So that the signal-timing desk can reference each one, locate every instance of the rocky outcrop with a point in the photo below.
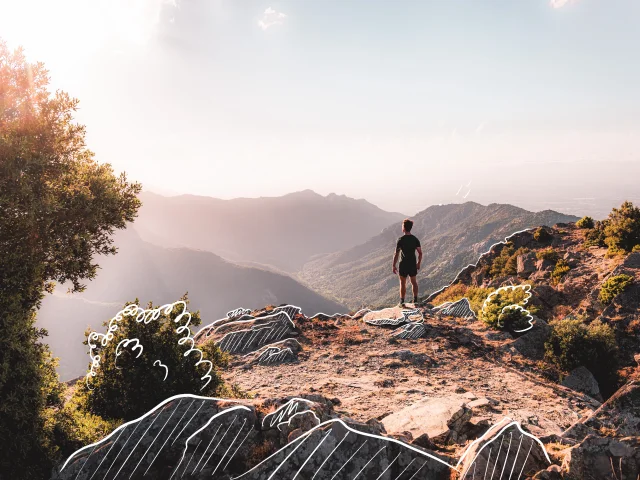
(526, 264)
(504, 451)
(441, 419)
(582, 380)
(531, 344)
(188, 435)
(603, 458)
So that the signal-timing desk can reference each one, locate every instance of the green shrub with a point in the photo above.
(585, 222)
(136, 384)
(542, 235)
(622, 229)
(559, 271)
(513, 319)
(506, 263)
(572, 344)
(595, 237)
(70, 427)
(492, 309)
(547, 254)
(613, 286)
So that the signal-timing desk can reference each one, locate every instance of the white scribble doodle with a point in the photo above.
(239, 341)
(413, 315)
(158, 363)
(146, 316)
(527, 291)
(124, 344)
(285, 412)
(411, 331)
(460, 309)
(238, 312)
(275, 356)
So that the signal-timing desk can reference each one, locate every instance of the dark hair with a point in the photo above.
(407, 225)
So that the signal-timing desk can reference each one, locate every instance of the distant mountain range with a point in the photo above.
(161, 274)
(452, 236)
(188, 243)
(284, 232)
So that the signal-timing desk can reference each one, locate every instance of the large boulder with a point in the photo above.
(443, 419)
(504, 451)
(582, 380)
(531, 344)
(603, 458)
(526, 264)
(619, 416)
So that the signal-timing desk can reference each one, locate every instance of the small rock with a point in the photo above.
(479, 403)
(554, 472)
(424, 442)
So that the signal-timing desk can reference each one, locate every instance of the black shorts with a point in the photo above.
(410, 270)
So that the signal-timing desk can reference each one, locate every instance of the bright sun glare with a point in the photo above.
(61, 32)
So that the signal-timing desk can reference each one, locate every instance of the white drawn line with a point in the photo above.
(207, 449)
(388, 467)
(231, 444)
(328, 456)
(311, 454)
(345, 463)
(103, 458)
(515, 460)
(507, 456)
(154, 440)
(138, 443)
(237, 448)
(527, 458)
(367, 464)
(405, 469)
(187, 424)
(158, 363)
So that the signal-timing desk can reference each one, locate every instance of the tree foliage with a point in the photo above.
(58, 209)
(128, 381)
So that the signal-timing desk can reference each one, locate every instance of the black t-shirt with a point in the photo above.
(407, 245)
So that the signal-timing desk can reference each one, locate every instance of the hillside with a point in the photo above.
(162, 275)
(284, 232)
(429, 392)
(452, 237)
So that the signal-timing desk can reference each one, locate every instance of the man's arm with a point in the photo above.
(419, 249)
(395, 261)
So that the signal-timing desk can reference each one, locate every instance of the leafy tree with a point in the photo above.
(129, 381)
(622, 230)
(58, 209)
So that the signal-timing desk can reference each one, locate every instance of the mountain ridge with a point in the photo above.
(452, 236)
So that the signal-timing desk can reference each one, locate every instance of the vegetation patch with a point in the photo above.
(614, 286)
(585, 222)
(492, 313)
(475, 295)
(506, 263)
(547, 254)
(559, 271)
(572, 343)
(542, 235)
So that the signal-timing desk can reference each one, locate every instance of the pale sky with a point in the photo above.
(404, 103)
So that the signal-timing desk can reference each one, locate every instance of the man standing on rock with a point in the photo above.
(406, 248)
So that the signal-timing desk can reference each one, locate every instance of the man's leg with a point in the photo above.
(414, 288)
(403, 288)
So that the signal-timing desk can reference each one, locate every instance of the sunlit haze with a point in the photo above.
(406, 104)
